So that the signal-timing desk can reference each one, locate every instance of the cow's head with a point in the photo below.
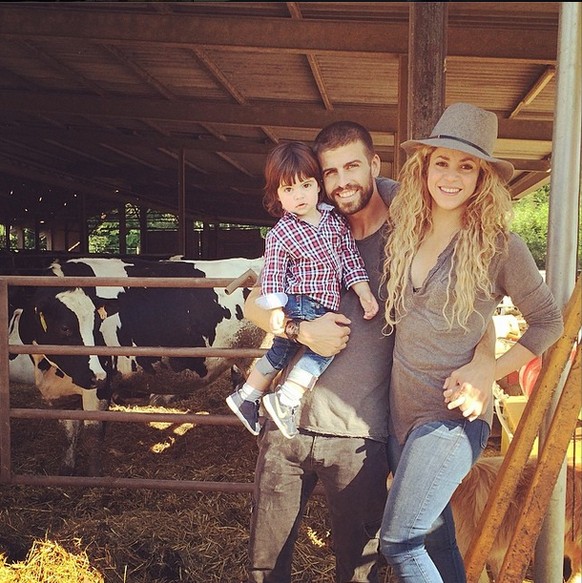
(65, 317)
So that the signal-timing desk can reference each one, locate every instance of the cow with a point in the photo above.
(471, 496)
(65, 316)
(180, 317)
(138, 316)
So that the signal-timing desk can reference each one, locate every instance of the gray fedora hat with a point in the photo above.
(469, 129)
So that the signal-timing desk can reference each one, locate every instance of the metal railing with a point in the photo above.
(7, 413)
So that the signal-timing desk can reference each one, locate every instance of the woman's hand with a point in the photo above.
(470, 387)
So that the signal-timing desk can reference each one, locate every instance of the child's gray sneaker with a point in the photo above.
(246, 411)
(282, 415)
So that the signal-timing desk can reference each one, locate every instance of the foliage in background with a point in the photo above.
(531, 223)
(104, 231)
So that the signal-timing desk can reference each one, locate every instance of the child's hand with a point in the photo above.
(367, 299)
(277, 321)
(369, 304)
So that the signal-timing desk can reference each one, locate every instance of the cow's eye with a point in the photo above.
(65, 330)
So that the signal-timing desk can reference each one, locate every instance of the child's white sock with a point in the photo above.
(291, 394)
(249, 393)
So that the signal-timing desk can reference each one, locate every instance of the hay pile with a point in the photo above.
(50, 562)
(144, 536)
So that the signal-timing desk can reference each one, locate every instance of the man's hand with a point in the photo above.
(326, 335)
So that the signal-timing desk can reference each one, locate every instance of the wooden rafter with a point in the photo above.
(548, 74)
(129, 156)
(376, 118)
(141, 73)
(218, 75)
(529, 183)
(77, 152)
(295, 11)
(195, 142)
(17, 79)
(467, 39)
(270, 134)
(234, 163)
(67, 72)
(157, 127)
(176, 156)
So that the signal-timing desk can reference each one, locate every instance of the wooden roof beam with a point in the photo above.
(528, 183)
(17, 79)
(61, 180)
(270, 134)
(124, 154)
(238, 33)
(136, 174)
(219, 77)
(196, 142)
(381, 118)
(535, 90)
(375, 118)
(295, 11)
(75, 150)
(176, 156)
(55, 64)
(140, 72)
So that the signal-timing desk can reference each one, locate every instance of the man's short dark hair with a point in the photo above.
(341, 133)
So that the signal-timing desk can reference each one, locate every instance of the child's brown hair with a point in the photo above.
(285, 164)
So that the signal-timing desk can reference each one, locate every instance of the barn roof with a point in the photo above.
(103, 99)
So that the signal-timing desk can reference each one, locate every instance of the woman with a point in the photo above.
(450, 260)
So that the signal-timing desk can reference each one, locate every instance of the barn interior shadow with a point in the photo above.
(145, 535)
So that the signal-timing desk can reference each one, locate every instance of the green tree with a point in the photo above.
(531, 223)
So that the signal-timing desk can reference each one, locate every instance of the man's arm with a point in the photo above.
(471, 386)
(326, 335)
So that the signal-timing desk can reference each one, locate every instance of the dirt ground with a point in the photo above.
(145, 535)
(152, 536)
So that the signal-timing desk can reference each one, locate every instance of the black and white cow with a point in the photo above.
(61, 316)
(181, 317)
(135, 316)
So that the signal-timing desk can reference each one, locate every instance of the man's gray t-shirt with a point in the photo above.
(351, 397)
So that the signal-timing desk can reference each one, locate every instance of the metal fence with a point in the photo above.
(7, 413)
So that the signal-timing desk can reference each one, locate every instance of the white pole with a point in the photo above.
(562, 247)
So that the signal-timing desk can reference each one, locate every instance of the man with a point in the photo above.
(343, 420)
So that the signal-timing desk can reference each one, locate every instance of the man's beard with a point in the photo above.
(353, 205)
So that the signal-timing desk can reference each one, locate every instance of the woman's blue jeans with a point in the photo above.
(417, 537)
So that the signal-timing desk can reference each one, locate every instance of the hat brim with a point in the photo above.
(504, 168)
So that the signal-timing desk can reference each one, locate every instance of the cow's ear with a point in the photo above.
(106, 307)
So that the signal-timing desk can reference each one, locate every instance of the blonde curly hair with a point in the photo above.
(483, 234)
